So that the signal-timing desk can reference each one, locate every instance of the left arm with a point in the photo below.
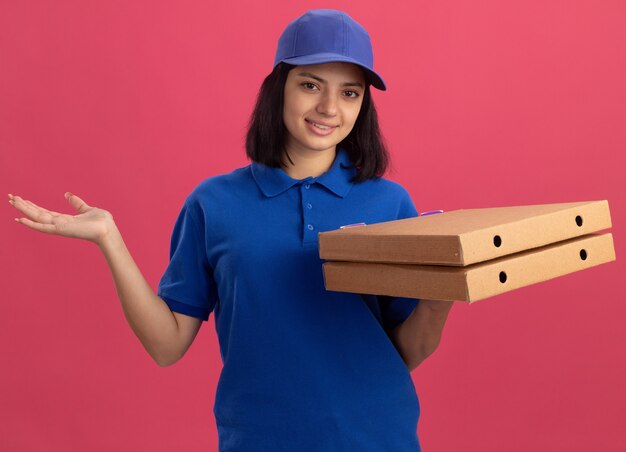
(418, 336)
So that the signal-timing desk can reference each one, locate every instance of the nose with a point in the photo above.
(327, 105)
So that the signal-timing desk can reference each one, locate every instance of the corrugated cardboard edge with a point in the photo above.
(471, 246)
(361, 248)
(399, 280)
(530, 267)
(475, 282)
(479, 246)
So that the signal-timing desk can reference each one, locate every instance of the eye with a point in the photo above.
(352, 94)
(309, 85)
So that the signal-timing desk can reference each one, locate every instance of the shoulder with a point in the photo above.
(216, 195)
(382, 186)
(389, 186)
(222, 186)
(236, 179)
(388, 193)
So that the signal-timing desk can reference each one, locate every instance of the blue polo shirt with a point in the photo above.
(304, 369)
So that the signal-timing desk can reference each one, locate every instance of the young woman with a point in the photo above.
(305, 369)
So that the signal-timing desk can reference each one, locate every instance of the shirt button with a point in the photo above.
(307, 186)
(310, 226)
(309, 205)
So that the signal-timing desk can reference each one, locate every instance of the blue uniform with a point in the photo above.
(305, 369)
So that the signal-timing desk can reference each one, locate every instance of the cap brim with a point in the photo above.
(319, 58)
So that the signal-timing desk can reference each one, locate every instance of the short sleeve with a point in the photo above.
(395, 310)
(187, 286)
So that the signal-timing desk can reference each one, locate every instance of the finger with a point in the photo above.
(33, 213)
(46, 228)
(51, 212)
(77, 203)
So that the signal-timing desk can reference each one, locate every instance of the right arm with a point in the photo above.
(165, 335)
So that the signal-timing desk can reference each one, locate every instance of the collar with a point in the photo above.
(274, 181)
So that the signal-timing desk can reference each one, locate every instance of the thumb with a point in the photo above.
(76, 202)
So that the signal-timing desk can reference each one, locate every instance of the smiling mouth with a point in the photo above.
(320, 126)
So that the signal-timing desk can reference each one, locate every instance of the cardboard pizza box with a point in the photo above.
(464, 237)
(473, 282)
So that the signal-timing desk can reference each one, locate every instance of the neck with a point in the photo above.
(308, 164)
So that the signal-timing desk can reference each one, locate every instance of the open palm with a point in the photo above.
(90, 224)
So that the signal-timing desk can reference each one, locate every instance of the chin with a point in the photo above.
(322, 148)
(322, 145)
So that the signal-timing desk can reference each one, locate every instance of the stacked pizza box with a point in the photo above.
(467, 255)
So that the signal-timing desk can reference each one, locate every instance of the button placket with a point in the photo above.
(309, 232)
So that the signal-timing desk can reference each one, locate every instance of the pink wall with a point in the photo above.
(131, 104)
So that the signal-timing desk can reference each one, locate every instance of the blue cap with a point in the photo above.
(325, 36)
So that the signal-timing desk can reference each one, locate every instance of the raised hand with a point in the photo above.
(92, 223)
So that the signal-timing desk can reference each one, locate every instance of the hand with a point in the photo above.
(91, 224)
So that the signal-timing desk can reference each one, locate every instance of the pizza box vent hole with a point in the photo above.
(579, 220)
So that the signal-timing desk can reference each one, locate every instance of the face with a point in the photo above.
(321, 104)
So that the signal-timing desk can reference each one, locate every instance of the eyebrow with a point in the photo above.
(321, 80)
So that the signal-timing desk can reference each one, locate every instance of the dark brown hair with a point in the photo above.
(266, 135)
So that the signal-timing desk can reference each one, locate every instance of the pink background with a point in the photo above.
(131, 104)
